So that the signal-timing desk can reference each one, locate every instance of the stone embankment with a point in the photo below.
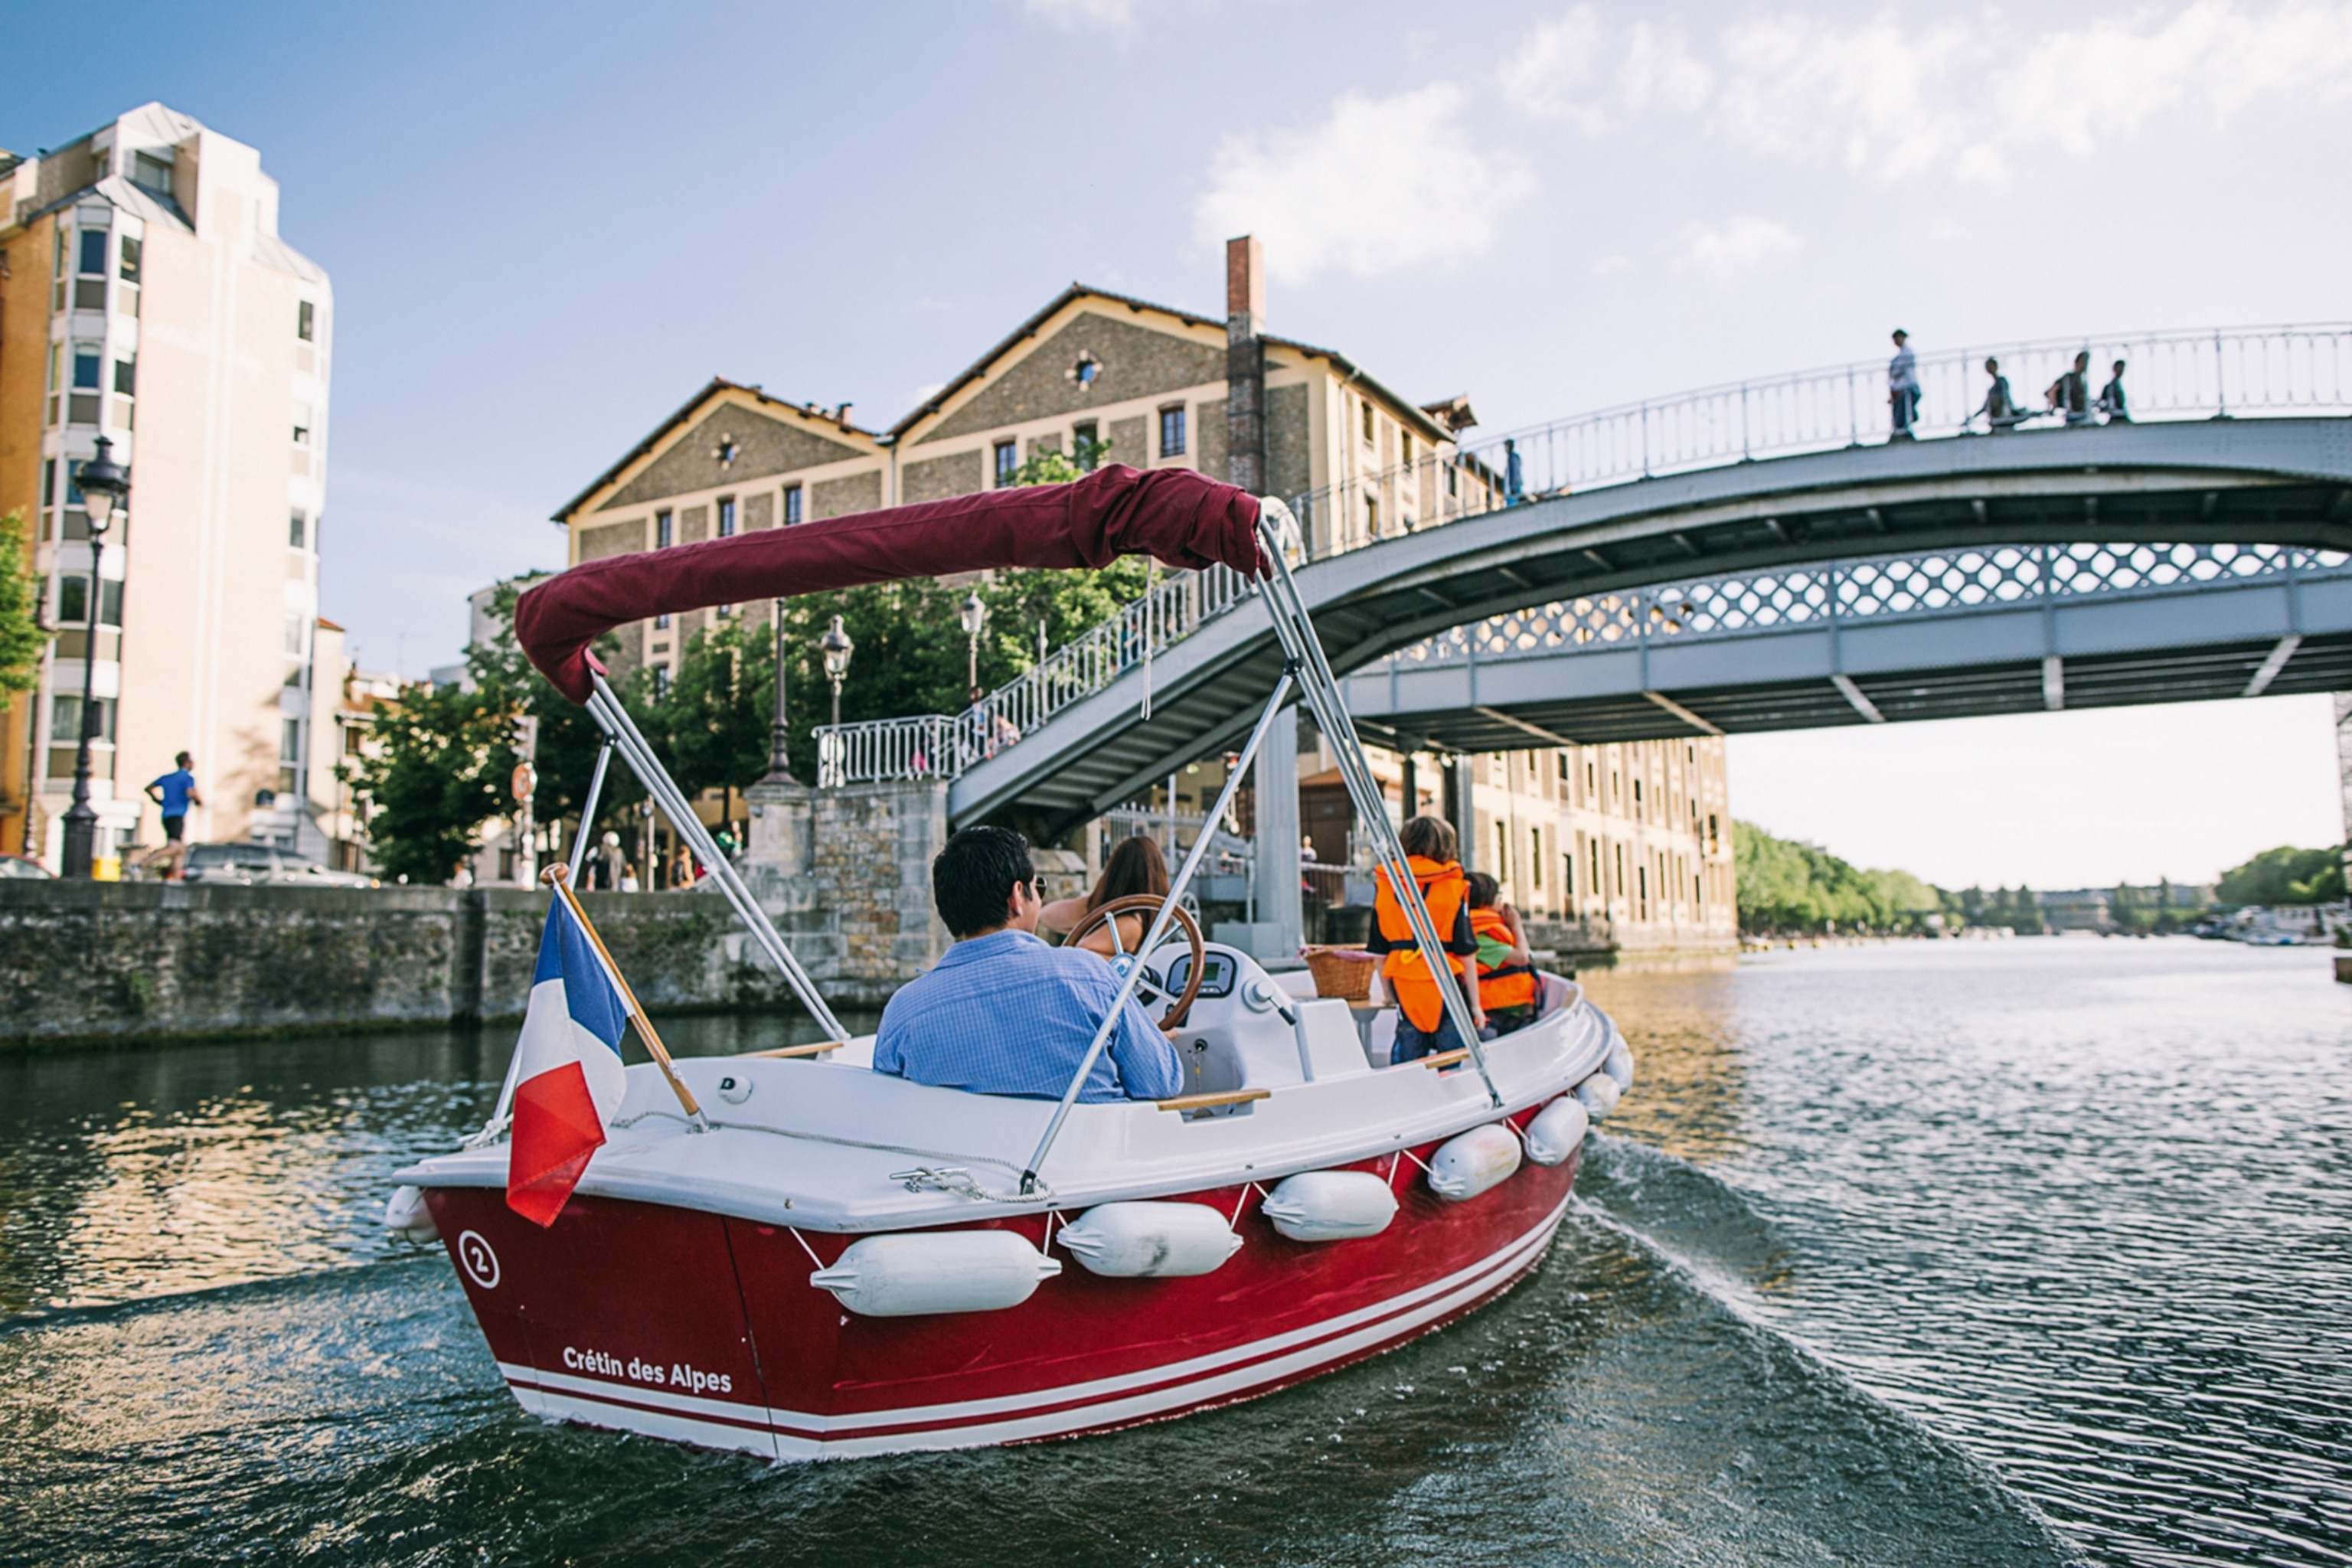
(844, 874)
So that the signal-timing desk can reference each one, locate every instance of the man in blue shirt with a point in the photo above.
(175, 792)
(1004, 1013)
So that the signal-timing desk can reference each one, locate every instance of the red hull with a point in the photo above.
(704, 1329)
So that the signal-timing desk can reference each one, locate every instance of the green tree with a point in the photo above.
(22, 637)
(1789, 886)
(438, 770)
(2284, 875)
(712, 727)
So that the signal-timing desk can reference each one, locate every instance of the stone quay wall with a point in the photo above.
(844, 875)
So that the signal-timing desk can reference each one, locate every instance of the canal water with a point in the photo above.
(1967, 1253)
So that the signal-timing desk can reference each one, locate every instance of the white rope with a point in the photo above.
(813, 1258)
(1241, 1203)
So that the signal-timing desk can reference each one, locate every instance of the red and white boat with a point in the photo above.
(824, 1260)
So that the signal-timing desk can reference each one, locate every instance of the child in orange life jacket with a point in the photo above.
(1434, 857)
(1507, 975)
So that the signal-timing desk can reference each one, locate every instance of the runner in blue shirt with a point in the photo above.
(175, 792)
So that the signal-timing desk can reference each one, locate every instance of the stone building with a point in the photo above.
(1619, 845)
(1128, 381)
(145, 296)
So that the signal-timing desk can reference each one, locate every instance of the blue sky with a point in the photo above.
(547, 226)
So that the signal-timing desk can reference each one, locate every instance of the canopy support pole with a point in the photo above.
(616, 724)
(1160, 923)
(1276, 527)
(588, 810)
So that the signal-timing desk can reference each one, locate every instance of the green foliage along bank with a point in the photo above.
(1786, 887)
(2284, 875)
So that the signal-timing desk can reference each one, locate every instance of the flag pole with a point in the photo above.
(559, 877)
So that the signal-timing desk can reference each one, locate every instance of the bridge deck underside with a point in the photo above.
(2108, 680)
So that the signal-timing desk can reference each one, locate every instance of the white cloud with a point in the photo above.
(1955, 98)
(1379, 184)
(1110, 15)
(1550, 72)
(1731, 252)
(1659, 68)
(1557, 71)
(1611, 264)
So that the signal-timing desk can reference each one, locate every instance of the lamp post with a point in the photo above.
(837, 647)
(780, 761)
(975, 617)
(102, 483)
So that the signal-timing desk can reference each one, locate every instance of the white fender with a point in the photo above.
(1331, 1206)
(1469, 1164)
(1618, 1063)
(935, 1271)
(1558, 1130)
(1600, 1093)
(405, 1215)
(1151, 1240)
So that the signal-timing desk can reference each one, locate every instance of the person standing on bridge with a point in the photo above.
(2000, 410)
(2070, 395)
(1903, 387)
(2112, 401)
(1514, 474)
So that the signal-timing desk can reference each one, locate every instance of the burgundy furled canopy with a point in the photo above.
(1178, 516)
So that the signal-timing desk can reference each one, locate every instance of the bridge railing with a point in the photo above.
(2197, 374)
(1875, 588)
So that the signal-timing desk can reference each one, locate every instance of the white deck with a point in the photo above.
(816, 1141)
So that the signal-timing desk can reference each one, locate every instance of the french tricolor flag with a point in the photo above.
(568, 1074)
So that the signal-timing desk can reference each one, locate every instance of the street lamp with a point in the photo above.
(975, 617)
(780, 761)
(102, 483)
(837, 647)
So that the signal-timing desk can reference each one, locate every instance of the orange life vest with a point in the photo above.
(1443, 889)
(1503, 984)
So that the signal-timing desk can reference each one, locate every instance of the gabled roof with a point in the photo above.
(1430, 428)
(687, 412)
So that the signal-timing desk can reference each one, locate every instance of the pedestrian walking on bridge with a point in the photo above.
(2070, 395)
(1903, 388)
(2000, 410)
(2112, 401)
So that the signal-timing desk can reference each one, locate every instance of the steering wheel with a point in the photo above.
(1147, 990)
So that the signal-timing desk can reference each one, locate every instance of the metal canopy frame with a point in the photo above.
(1277, 532)
(605, 705)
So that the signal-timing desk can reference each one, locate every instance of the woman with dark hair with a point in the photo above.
(1135, 866)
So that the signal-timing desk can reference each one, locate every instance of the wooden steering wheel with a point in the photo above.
(1147, 990)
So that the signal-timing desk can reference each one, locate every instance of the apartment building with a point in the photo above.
(1092, 374)
(145, 296)
(1635, 833)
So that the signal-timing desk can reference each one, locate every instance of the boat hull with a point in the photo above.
(703, 1328)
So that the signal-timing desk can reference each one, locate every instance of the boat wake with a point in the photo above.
(1622, 1405)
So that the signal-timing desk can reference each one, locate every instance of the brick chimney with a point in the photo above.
(1245, 364)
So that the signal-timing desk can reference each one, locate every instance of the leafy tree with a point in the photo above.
(1784, 886)
(712, 727)
(2286, 876)
(439, 770)
(22, 636)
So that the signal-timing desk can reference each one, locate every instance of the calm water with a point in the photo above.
(1972, 1253)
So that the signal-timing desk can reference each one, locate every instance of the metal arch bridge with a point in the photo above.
(1846, 580)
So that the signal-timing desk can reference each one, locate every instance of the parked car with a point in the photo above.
(259, 865)
(18, 866)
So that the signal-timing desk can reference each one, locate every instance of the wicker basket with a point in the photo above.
(1342, 971)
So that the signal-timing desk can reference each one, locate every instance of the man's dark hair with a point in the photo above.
(973, 877)
(182, 759)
